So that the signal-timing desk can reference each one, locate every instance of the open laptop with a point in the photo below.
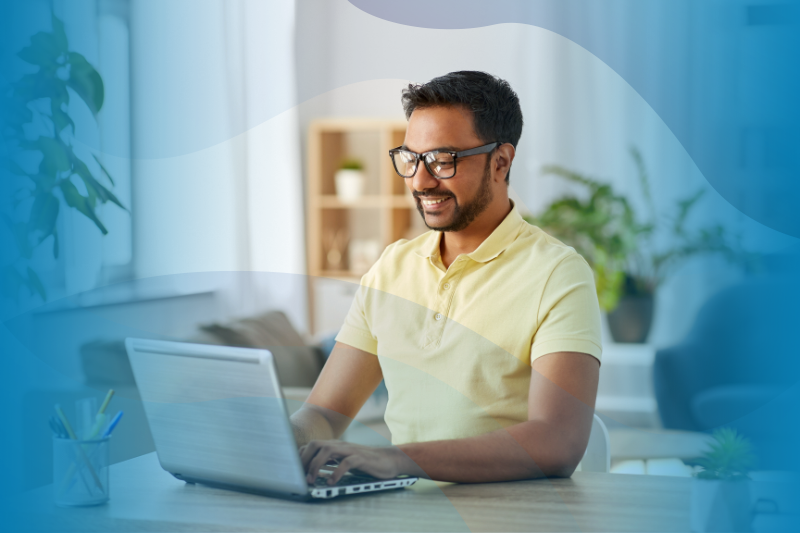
(218, 417)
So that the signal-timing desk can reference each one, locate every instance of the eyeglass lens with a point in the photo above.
(441, 164)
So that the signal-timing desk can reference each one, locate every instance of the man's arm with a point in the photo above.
(551, 443)
(348, 378)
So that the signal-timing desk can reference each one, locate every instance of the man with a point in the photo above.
(485, 329)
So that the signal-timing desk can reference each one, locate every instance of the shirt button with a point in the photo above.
(446, 286)
(438, 316)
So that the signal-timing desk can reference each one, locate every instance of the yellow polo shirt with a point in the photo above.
(456, 344)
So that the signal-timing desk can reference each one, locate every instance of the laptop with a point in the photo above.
(218, 418)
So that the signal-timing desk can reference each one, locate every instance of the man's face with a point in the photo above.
(450, 204)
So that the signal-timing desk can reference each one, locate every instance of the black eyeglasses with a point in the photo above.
(441, 164)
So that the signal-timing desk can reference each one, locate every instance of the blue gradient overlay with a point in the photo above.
(723, 77)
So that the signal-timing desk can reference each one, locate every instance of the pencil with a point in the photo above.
(105, 402)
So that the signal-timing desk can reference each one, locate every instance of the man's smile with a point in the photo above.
(434, 204)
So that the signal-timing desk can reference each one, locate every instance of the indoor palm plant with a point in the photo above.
(40, 159)
(619, 245)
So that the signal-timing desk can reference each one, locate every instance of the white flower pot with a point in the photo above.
(349, 185)
(720, 506)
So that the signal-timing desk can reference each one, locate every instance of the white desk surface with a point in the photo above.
(145, 498)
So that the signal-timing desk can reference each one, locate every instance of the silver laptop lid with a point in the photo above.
(216, 413)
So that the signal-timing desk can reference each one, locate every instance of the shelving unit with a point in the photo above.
(384, 214)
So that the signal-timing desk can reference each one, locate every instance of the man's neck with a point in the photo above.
(466, 241)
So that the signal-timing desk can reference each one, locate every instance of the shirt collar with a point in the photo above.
(500, 239)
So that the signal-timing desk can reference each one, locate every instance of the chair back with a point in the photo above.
(598, 452)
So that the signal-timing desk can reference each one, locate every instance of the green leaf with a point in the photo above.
(92, 184)
(60, 118)
(729, 456)
(684, 208)
(81, 203)
(56, 157)
(44, 214)
(59, 35)
(43, 181)
(35, 284)
(104, 170)
(40, 85)
(44, 50)
(84, 80)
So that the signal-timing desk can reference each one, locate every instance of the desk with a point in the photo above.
(145, 498)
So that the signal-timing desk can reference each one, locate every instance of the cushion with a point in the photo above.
(105, 363)
(298, 365)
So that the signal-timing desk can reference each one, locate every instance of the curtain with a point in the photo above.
(217, 177)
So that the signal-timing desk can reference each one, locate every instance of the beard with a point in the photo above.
(464, 215)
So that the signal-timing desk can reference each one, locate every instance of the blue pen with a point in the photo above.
(112, 425)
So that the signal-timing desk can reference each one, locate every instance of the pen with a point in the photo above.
(100, 418)
(112, 425)
(105, 402)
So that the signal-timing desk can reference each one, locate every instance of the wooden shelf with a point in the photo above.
(384, 214)
(331, 201)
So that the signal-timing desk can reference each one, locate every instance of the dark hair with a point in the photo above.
(494, 104)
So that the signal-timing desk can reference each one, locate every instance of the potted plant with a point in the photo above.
(721, 490)
(620, 248)
(350, 180)
(38, 126)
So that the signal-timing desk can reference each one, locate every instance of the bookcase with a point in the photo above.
(384, 213)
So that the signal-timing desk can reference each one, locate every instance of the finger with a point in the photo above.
(318, 461)
(308, 452)
(348, 463)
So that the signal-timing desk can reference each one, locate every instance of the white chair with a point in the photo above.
(598, 452)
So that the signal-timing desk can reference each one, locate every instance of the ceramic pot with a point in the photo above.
(349, 185)
(631, 320)
(720, 506)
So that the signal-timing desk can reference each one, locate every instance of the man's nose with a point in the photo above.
(423, 179)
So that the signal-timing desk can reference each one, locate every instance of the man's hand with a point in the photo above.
(382, 463)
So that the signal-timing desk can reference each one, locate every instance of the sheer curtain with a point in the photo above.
(217, 178)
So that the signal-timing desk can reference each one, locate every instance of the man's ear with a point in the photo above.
(503, 157)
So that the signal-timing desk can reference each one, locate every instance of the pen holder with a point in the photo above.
(80, 471)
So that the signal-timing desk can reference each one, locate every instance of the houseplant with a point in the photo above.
(350, 180)
(37, 127)
(721, 490)
(620, 247)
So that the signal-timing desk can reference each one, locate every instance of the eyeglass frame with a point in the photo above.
(464, 153)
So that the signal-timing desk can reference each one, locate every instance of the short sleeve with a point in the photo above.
(356, 331)
(569, 313)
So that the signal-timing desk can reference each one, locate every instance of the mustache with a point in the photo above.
(442, 194)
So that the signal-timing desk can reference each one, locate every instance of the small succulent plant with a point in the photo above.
(730, 457)
(352, 164)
